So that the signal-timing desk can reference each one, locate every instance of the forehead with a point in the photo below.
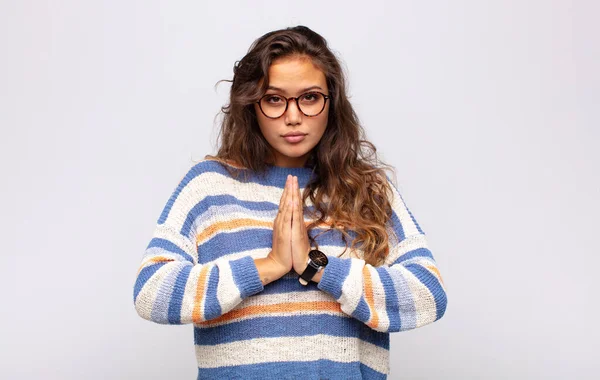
(293, 74)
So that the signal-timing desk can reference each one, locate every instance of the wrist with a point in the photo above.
(317, 277)
(300, 266)
(269, 270)
(314, 270)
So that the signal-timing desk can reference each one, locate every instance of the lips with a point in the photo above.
(294, 138)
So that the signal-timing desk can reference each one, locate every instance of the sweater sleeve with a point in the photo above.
(405, 293)
(171, 286)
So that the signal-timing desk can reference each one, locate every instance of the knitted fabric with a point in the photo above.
(198, 268)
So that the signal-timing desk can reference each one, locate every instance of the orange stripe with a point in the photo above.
(374, 321)
(436, 271)
(230, 225)
(197, 313)
(154, 260)
(285, 307)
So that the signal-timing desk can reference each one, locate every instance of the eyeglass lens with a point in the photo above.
(311, 104)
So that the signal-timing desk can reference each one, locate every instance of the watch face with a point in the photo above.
(318, 257)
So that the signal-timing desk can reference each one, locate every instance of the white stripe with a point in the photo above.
(211, 183)
(254, 253)
(374, 356)
(301, 349)
(352, 288)
(158, 251)
(273, 314)
(282, 298)
(167, 232)
(189, 295)
(401, 210)
(409, 244)
(272, 299)
(422, 298)
(379, 300)
(329, 250)
(160, 310)
(228, 294)
(147, 295)
(405, 301)
(225, 213)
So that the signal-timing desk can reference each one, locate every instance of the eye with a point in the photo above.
(273, 99)
(310, 97)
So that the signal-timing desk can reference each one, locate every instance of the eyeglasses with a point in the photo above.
(310, 104)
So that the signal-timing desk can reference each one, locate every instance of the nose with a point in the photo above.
(293, 115)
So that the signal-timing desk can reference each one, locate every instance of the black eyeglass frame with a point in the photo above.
(287, 103)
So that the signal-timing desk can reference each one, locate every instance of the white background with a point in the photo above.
(487, 109)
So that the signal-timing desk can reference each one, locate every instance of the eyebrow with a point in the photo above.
(301, 91)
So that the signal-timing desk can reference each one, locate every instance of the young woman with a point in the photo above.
(291, 251)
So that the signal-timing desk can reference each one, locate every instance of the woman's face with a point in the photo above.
(293, 76)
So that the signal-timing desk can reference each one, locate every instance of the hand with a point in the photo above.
(281, 254)
(300, 243)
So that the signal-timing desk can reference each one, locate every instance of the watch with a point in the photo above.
(317, 260)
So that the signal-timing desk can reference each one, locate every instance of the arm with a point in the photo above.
(405, 293)
(171, 286)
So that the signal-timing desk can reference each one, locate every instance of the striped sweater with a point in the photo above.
(198, 268)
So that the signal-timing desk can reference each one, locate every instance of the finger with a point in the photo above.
(283, 197)
(298, 194)
(300, 209)
(294, 197)
(298, 213)
(283, 202)
(278, 222)
(287, 214)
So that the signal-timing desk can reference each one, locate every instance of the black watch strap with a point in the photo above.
(308, 273)
(316, 261)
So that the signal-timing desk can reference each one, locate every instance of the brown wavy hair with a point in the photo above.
(349, 174)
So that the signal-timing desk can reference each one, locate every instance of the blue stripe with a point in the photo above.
(397, 226)
(168, 245)
(190, 175)
(434, 286)
(334, 275)
(391, 298)
(362, 311)
(288, 285)
(160, 310)
(292, 325)
(221, 201)
(245, 276)
(225, 200)
(143, 277)
(224, 243)
(419, 252)
(277, 175)
(177, 295)
(406, 302)
(370, 373)
(212, 308)
(305, 370)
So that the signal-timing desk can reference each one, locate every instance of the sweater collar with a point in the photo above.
(276, 175)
